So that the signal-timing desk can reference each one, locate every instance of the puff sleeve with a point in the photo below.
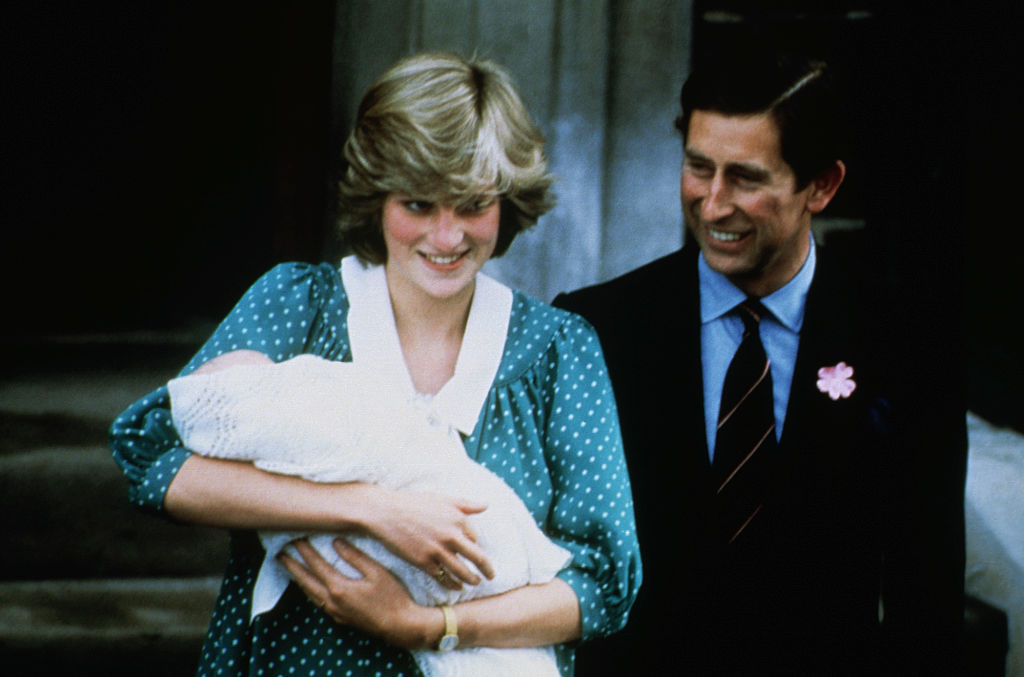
(294, 308)
(551, 430)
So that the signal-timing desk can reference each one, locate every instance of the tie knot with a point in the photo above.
(751, 311)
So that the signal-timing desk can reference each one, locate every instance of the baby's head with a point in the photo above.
(235, 358)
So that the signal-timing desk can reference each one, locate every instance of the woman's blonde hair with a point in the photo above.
(444, 129)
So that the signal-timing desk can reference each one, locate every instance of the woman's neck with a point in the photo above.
(430, 331)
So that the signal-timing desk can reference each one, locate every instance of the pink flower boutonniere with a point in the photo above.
(836, 381)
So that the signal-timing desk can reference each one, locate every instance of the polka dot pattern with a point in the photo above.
(549, 428)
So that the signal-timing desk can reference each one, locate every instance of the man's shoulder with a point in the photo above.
(645, 284)
(851, 276)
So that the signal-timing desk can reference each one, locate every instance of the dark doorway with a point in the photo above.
(158, 157)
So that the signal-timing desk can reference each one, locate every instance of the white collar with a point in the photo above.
(374, 338)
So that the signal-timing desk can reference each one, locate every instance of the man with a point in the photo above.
(809, 519)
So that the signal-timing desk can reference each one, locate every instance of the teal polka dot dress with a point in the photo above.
(548, 428)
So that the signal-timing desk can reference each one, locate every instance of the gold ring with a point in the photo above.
(440, 575)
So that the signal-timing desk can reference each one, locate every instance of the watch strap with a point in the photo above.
(450, 639)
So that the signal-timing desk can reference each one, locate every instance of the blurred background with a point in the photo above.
(155, 158)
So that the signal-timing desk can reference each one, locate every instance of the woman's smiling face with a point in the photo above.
(437, 249)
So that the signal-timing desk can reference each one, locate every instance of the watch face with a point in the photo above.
(448, 642)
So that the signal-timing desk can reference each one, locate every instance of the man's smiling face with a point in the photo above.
(741, 201)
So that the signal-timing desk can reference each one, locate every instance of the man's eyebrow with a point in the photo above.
(754, 172)
(748, 171)
(695, 155)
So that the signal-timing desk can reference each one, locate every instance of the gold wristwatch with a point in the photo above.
(450, 639)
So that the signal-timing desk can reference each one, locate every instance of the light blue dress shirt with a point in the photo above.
(721, 332)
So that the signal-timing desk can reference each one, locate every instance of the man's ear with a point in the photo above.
(824, 186)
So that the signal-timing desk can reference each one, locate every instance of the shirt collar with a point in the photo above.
(718, 295)
(374, 338)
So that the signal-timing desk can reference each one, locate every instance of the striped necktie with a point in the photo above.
(745, 443)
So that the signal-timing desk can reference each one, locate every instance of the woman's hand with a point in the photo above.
(377, 603)
(429, 531)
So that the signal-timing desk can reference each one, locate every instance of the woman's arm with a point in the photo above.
(427, 530)
(535, 615)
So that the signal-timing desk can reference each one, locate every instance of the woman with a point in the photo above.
(445, 167)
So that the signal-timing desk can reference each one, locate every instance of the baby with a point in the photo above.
(331, 422)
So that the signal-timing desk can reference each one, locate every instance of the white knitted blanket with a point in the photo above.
(332, 422)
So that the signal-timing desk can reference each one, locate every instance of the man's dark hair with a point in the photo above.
(798, 92)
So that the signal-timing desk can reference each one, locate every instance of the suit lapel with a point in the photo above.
(817, 427)
(669, 366)
(696, 376)
(690, 369)
(687, 372)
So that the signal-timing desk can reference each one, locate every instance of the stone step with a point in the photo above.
(109, 627)
(64, 505)
(64, 513)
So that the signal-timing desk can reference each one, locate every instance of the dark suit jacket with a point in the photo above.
(867, 499)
